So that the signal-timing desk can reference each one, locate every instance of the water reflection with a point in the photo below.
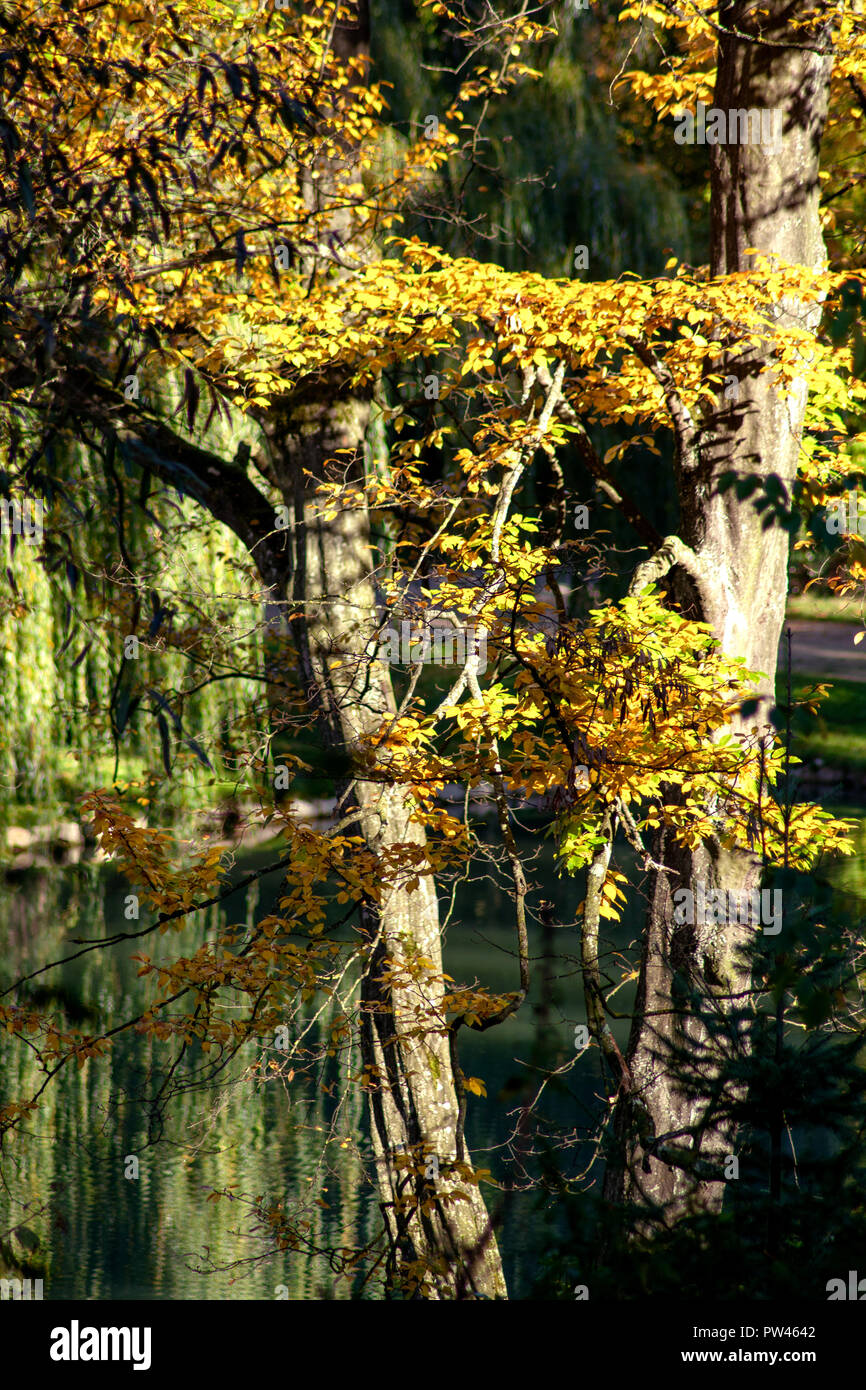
(100, 1234)
(68, 1213)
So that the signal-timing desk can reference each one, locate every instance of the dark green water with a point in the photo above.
(94, 1233)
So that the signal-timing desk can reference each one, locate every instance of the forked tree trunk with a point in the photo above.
(437, 1224)
(734, 578)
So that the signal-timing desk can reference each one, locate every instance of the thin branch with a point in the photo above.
(685, 430)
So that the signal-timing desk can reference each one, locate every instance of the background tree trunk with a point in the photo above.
(766, 199)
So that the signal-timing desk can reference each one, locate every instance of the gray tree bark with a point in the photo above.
(438, 1224)
(726, 569)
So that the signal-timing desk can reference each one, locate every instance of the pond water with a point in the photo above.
(91, 1232)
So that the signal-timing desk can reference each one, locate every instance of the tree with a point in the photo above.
(310, 193)
(730, 567)
(647, 715)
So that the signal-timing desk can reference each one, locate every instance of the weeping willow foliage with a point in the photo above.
(556, 168)
(62, 645)
(27, 681)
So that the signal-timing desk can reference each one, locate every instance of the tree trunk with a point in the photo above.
(438, 1224)
(734, 576)
(441, 1237)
